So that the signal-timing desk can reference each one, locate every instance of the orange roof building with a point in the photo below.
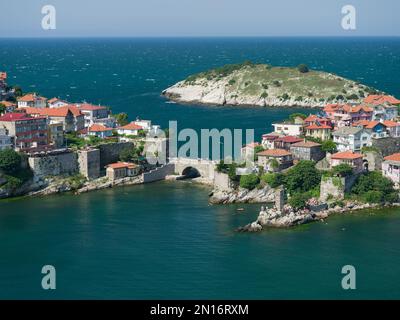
(381, 99)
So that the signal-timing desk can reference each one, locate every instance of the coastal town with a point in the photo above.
(343, 153)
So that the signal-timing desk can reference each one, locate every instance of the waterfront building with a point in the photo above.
(131, 129)
(307, 150)
(313, 119)
(391, 168)
(354, 160)
(275, 160)
(351, 138)
(32, 100)
(289, 129)
(378, 129)
(319, 131)
(27, 132)
(119, 170)
(5, 139)
(100, 131)
(92, 112)
(56, 103)
(382, 99)
(70, 116)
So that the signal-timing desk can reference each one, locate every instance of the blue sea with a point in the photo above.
(164, 240)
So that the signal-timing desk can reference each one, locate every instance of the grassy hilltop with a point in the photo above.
(261, 84)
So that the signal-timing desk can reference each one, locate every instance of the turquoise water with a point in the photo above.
(164, 240)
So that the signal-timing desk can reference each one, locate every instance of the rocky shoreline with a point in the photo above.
(271, 217)
(241, 195)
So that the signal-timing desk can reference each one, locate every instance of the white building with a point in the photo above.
(57, 103)
(32, 100)
(351, 138)
(5, 140)
(131, 129)
(289, 129)
(92, 112)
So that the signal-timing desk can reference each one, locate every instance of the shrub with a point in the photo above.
(302, 178)
(249, 181)
(373, 187)
(232, 82)
(299, 200)
(276, 83)
(264, 95)
(352, 97)
(10, 161)
(343, 170)
(328, 146)
(274, 180)
(303, 68)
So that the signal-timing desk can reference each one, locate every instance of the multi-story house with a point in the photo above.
(70, 116)
(56, 103)
(289, 129)
(307, 150)
(32, 100)
(274, 160)
(99, 131)
(393, 128)
(391, 168)
(268, 140)
(345, 115)
(285, 142)
(378, 129)
(92, 113)
(351, 138)
(319, 131)
(354, 160)
(27, 132)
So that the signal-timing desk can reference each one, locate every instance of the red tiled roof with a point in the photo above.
(289, 139)
(274, 153)
(10, 117)
(380, 99)
(306, 144)
(31, 97)
(393, 157)
(310, 118)
(317, 127)
(98, 128)
(390, 123)
(130, 126)
(7, 103)
(61, 112)
(346, 155)
(120, 165)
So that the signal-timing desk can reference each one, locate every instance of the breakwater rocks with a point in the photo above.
(271, 217)
(226, 196)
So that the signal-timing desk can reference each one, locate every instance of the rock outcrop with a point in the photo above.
(240, 195)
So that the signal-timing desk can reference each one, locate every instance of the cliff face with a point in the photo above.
(263, 85)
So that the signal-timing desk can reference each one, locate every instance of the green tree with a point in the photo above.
(293, 116)
(10, 161)
(303, 68)
(274, 180)
(373, 187)
(122, 118)
(249, 181)
(328, 146)
(18, 91)
(343, 170)
(2, 108)
(302, 177)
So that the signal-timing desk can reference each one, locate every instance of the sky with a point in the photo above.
(198, 18)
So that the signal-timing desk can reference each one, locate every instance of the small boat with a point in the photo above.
(240, 209)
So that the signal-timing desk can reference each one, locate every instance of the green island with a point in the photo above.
(256, 84)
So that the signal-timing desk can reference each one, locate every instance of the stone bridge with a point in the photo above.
(204, 168)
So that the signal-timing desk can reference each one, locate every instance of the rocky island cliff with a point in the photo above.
(249, 84)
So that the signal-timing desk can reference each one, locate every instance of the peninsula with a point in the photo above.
(250, 84)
